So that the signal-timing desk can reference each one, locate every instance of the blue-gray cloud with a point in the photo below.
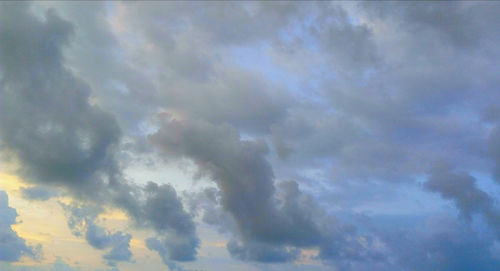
(268, 226)
(38, 193)
(12, 246)
(176, 230)
(82, 222)
(462, 189)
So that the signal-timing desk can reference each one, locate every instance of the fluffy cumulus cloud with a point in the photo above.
(315, 135)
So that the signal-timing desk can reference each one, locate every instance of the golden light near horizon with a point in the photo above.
(45, 224)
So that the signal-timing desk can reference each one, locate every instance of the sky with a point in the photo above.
(233, 135)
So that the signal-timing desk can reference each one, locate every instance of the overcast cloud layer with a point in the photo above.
(315, 135)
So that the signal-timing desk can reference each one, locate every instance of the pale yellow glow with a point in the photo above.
(137, 243)
(114, 214)
(9, 182)
(45, 223)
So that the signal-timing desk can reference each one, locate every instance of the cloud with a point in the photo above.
(119, 85)
(59, 137)
(156, 207)
(440, 242)
(461, 188)
(82, 222)
(358, 101)
(177, 232)
(271, 224)
(199, 80)
(261, 252)
(38, 193)
(12, 246)
(159, 208)
(159, 246)
(395, 100)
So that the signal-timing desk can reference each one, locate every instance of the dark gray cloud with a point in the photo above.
(271, 225)
(158, 246)
(462, 189)
(47, 120)
(177, 232)
(261, 252)
(123, 88)
(238, 167)
(38, 193)
(12, 246)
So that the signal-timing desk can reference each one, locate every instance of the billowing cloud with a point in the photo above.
(269, 227)
(164, 212)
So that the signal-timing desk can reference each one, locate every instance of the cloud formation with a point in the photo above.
(269, 228)
(313, 123)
